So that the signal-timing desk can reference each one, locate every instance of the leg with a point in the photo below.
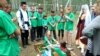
(41, 32)
(62, 34)
(23, 38)
(35, 29)
(66, 39)
(45, 30)
(26, 36)
(38, 32)
(32, 33)
(58, 35)
(70, 38)
(54, 34)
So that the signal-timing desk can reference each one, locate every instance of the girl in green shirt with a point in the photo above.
(61, 22)
(69, 24)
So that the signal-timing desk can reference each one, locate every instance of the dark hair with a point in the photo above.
(22, 3)
(63, 44)
(52, 11)
(40, 7)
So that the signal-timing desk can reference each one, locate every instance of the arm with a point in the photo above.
(90, 29)
(14, 19)
(68, 18)
(19, 19)
(55, 41)
(9, 27)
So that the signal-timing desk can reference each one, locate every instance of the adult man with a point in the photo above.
(8, 32)
(24, 23)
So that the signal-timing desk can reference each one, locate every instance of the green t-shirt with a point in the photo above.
(8, 46)
(70, 24)
(33, 20)
(46, 41)
(56, 49)
(45, 22)
(61, 23)
(51, 21)
(40, 19)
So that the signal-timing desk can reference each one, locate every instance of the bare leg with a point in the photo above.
(66, 37)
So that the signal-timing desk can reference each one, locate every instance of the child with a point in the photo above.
(50, 42)
(69, 24)
(61, 22)
(33, 18)
(52, 20)
(64, 48)
(45, 24)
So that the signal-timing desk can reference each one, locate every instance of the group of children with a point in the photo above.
(45, 26)
(41, 22)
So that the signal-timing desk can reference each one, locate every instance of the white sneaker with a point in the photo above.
(78, 47)
(70, 49)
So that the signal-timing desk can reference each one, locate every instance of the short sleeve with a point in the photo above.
(36, 14)
(8, 25)
(72, 16)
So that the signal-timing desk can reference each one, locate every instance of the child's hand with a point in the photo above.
(57, 42)
(51, 46)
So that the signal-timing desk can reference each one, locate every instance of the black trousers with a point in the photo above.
(54, 33)
(40, 32)
(24, 37)
(33, 33)
(61, 32)
(45, 30)
(88, 53)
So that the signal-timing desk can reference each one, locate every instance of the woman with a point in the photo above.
(8, 43)
(84, 20)
(92, 31)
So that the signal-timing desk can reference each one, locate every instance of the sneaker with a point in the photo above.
(70, 49)
(78, 47)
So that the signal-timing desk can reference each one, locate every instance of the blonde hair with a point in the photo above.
(98, 7)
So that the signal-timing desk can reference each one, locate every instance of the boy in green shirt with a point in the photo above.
(33, 17)
(39, 22)
(52, 21)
